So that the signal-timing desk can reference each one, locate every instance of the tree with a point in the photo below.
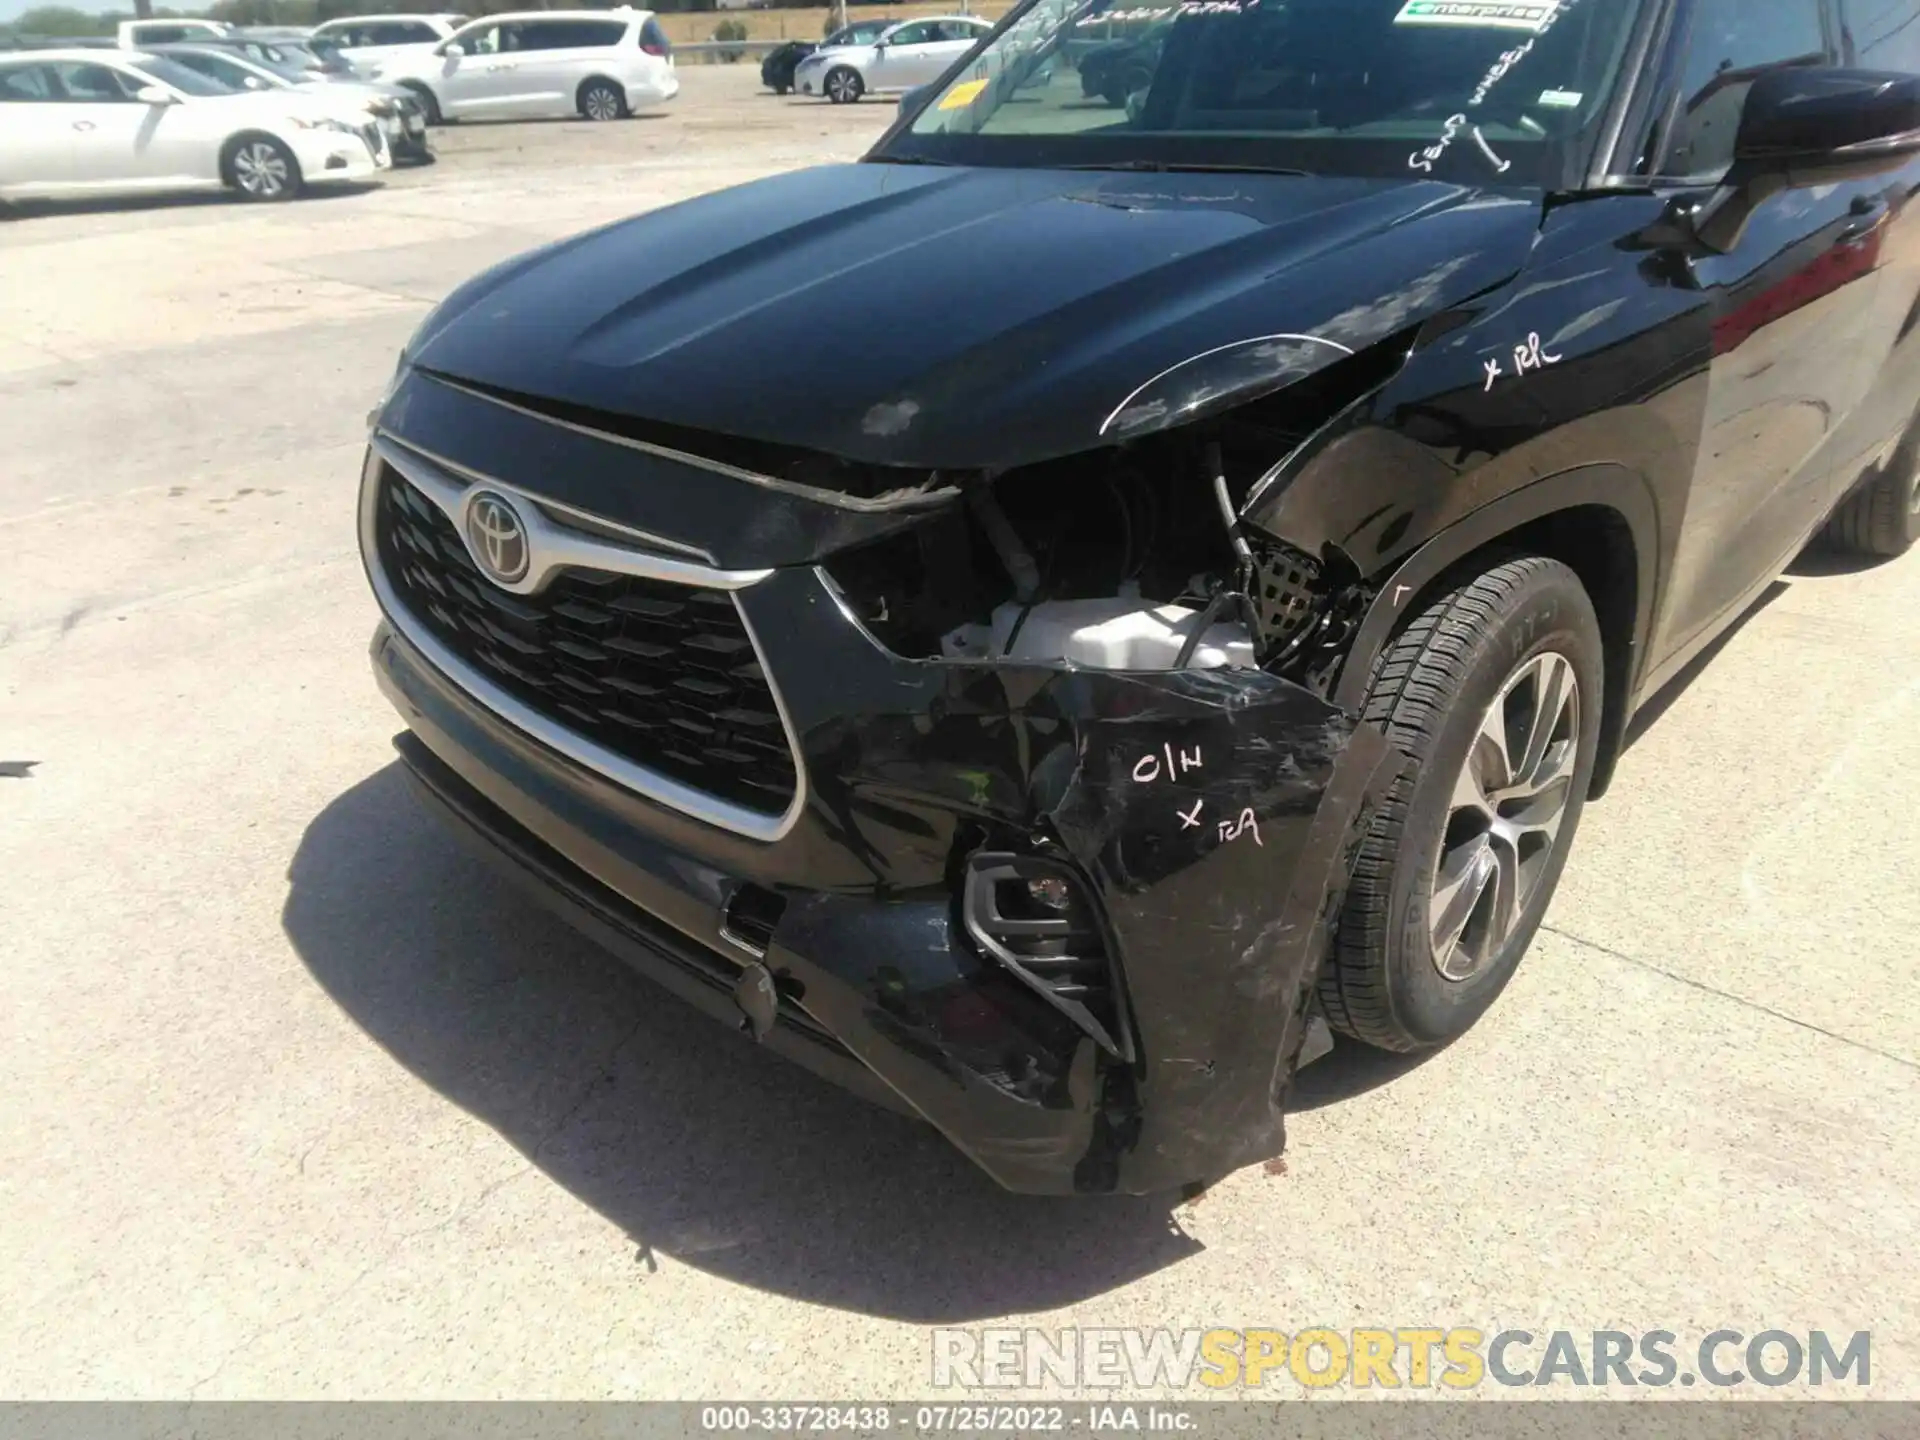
(60, 20)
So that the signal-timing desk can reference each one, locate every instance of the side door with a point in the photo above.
(114, 135)
(36, 140)
(472, 82)
(1789, 302)
(901, 63)
(1884, 35)
(540, 64)
(956, 38)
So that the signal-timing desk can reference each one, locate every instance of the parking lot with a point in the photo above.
(300, 1102)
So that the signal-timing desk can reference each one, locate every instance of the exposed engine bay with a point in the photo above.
(1133, 558)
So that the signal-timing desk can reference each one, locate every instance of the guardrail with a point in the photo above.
(715, 52)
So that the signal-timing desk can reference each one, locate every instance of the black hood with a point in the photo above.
(959, 318)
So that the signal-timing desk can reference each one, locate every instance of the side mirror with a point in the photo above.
(155, 95)
(1810, 126)
(254, 82)
(1806, 119)
(453, 52)
(879, 47)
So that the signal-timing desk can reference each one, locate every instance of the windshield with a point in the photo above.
(187, 82)
(1480, 91)
(284, 60)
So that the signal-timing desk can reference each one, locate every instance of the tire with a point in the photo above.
(843, 85)
(1882, 517)
(429, 103)
(603, 100)
(782, 89)
(1471, 665)
(261, 169)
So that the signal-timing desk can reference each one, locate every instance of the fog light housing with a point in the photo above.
(1051, 891)
(1035, 917)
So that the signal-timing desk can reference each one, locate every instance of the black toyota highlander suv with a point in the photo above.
(1032, 623)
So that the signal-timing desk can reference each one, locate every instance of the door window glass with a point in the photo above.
(1733, 43)
(1885, 34)
(92, 84)
(483, 41)
(917, 34)
(25, 83)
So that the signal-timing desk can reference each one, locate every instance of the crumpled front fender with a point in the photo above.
(1213, 813)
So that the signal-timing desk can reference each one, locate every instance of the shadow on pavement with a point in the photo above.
(172, 200)
(1349, 1070)
(697, 1144)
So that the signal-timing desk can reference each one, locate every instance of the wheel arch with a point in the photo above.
(419, 87)
(1598, 520)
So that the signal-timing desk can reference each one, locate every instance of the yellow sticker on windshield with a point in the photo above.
(962, 96)
(1479, 14)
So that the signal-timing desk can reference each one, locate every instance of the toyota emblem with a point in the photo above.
(496, 538)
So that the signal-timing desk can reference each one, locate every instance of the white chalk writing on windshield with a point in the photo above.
(1424, 160)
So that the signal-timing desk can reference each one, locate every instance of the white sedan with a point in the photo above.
(911, 54)
(82, 122)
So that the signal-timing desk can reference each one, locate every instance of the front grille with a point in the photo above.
(662, 675)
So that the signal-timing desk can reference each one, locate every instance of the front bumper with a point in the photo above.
(1219, 926)
(336, 156)
(406, 136)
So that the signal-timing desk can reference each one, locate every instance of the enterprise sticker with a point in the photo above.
(962, 96)
(1479, 14)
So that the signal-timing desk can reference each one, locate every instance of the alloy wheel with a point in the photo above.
(259, 169)
(602, 104)
(843, 87)
(1509, 802)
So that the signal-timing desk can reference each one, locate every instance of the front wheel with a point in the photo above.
(1494, 694)
(262, 169)
(844, 86)
(602, 101)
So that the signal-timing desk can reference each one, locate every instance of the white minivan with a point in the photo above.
(603, 64)
(366, 41)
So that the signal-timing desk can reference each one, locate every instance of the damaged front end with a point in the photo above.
(1066, 818)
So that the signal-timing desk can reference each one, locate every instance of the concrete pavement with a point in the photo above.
(300, 1102)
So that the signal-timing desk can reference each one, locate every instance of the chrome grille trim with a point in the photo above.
(556, 545)
(662, 789)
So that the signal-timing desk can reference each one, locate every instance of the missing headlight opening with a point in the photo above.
(1126, 559)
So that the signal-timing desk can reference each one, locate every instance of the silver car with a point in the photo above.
(397, 110)
(909, 55)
